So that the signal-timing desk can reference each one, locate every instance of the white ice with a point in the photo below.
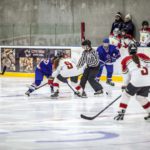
(42, 123)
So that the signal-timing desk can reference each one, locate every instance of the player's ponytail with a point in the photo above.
(136, 59)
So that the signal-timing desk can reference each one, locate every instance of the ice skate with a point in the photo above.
(120, 115)
(147, 117)
(84, 95)
(110, 83)
(99, 92)
(54, 95)
(27, 93)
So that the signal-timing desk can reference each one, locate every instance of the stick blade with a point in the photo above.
(86, 117)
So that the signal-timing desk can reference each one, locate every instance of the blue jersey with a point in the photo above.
(108, 56)
(45, 66)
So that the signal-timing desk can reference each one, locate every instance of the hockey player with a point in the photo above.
(125, 40)
(136, 71)
(108, 54)
(145, 34)
(65, 68)
(114, 37)
(44, 68)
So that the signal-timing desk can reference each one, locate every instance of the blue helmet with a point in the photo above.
(106, 40)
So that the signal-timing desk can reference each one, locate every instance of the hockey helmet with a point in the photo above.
(116, 31)
(86, 43)
(106, 40)
(60, 54)
(132, 48)
(145, 23)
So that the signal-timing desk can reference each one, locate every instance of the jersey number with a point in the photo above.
(144, 71)
(68, 64)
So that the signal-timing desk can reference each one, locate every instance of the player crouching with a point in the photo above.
(65, 68)
(136, 71)
(44, 68)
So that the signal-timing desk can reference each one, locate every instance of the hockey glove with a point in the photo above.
(113, 59)
(123, 87)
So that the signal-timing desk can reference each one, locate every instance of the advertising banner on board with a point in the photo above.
(19, 59)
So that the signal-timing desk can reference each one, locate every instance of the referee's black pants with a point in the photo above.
(89, 75)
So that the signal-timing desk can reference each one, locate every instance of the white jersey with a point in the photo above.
(124, 46)
(67, 68)
(144, 37)
(137, 76)
(114, 40)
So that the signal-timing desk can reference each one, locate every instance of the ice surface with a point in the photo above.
(41, 123)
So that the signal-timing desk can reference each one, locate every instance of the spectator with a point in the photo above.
(128, 25)
(117, 23)
(145, 34)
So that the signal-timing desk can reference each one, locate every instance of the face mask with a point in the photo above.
(86, 48)
(106, 46)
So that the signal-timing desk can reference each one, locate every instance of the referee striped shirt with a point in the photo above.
(90, 58)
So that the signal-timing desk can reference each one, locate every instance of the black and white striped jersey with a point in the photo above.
(90, 58)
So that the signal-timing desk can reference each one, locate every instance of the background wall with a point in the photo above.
(57, 22)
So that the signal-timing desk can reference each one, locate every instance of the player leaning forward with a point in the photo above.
(65, 68)
(44, 68)
(91, 60)
(136, 70)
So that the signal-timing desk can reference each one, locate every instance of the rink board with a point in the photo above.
(116, 78)
(75, 54)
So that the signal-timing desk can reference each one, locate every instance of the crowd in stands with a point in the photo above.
(123, 29)
(117, 45)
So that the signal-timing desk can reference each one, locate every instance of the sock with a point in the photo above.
(144, 103)
(124, 101)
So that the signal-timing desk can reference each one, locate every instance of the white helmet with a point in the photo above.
(116, 31)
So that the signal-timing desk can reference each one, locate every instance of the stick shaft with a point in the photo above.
(91, 118)
(41, 86)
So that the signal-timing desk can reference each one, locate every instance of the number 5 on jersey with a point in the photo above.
(144, 71)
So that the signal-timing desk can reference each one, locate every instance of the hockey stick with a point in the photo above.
(73, 89)
(4, 69)
(41, 86)
(91, 118)
(64, 80)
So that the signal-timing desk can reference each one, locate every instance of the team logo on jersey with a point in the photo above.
(46, 61)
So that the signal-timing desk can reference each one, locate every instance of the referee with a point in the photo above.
(91, 59)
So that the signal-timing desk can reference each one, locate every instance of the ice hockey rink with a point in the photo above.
(41, 123)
